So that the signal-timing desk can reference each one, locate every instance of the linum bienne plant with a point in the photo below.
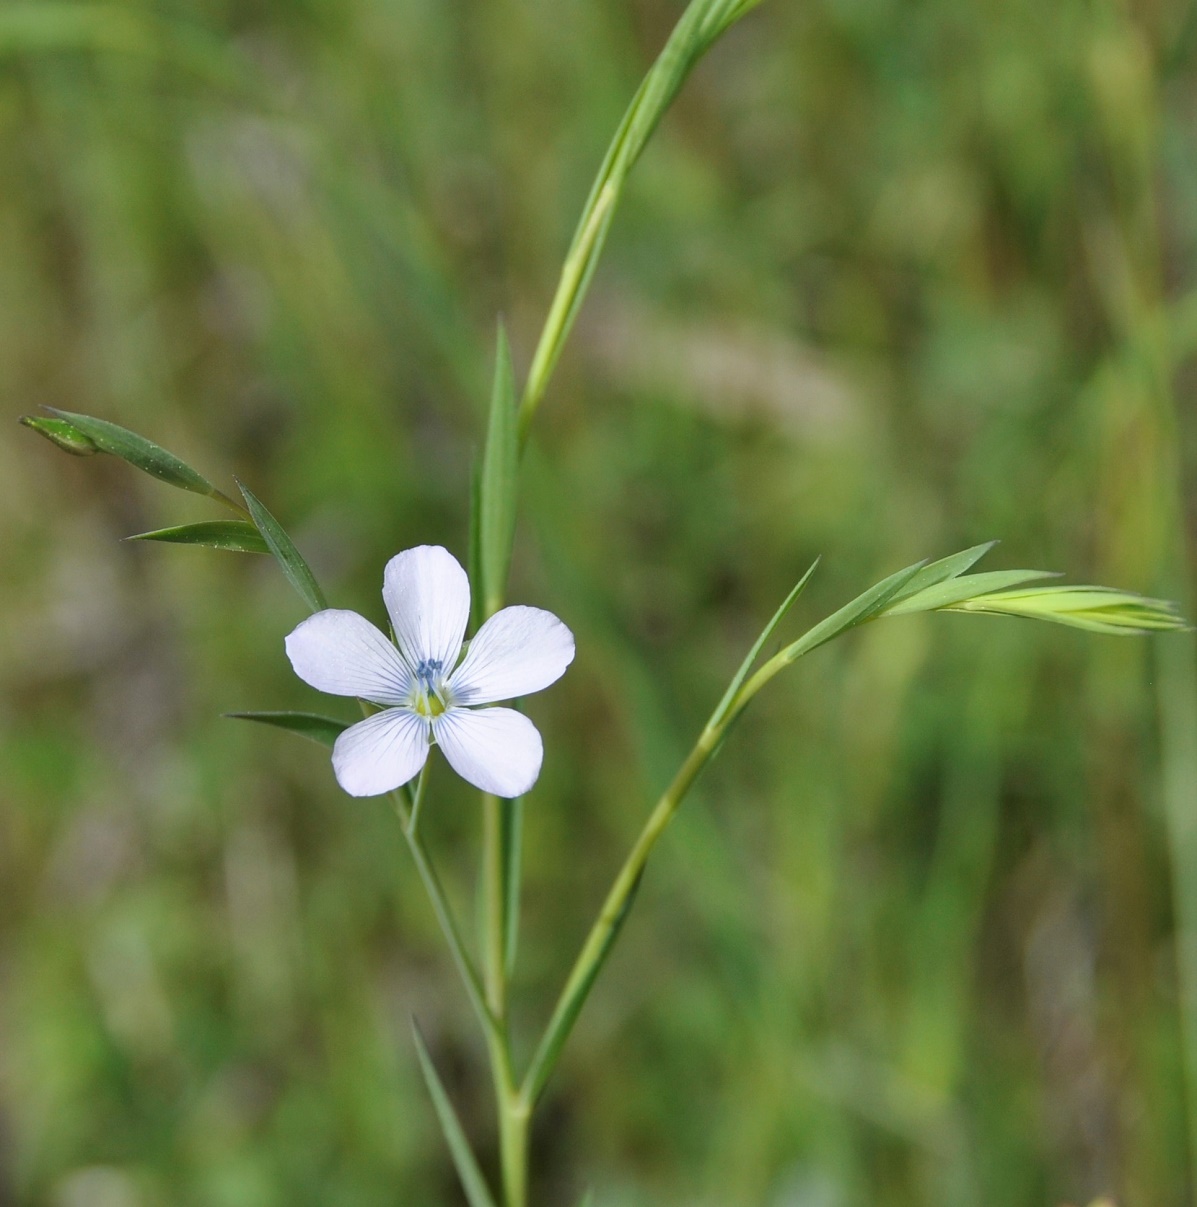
(419, 689)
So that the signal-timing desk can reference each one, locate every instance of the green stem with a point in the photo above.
(513, 1131)
(498, 894)
(614, 910)
(494, 895)
(413, 820)
(444, 916)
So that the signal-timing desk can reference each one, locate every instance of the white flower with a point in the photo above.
(426, 696)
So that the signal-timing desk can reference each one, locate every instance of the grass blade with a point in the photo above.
(474, 549)
(943, 570)
(323, 730)
(139, 452)
(472, 1182)
(737, 682)
(298, 573)
(1097, 609)
(698, 28)
(957, 590)
(498, 485)
(237, 536)
(861, 609)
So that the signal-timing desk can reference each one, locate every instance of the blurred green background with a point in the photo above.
(893, 278)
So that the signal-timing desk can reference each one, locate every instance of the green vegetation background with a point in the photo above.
(893, 278)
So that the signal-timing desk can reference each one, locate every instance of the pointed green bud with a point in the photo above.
(68, 438)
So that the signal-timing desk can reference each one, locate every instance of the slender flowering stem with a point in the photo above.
(699, 27)
(614, 910)
(413, 821)
(606, 926)
(513, 1117)
(494, 892)
(444, 915)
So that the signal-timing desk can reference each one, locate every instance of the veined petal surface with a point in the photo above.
(427, 595)
(495, 749)
(342, 653)
(519, 650)
(381, 753)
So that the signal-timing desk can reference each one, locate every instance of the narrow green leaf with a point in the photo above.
(587, 1200)
(862, 608)
(474, 549)
(58, 431)
(1097, 609)
(943, 570)
(737, 682)
(324, 730)
(142, 454)
(472, 1182)
(696, 31)
(735, 12)
(298, 573)
(956, 590)
(237, 536)
(498, 484)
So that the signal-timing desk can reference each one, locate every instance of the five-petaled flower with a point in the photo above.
(426, 697)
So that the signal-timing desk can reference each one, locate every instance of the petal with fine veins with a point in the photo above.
(428, 597)
(342, 653)
(381, 753)
(495, 749)
(517, 651)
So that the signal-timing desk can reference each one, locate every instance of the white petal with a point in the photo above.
(344, 654)
(495, 749)
(517, 651)
(427, 594)
(380, 753)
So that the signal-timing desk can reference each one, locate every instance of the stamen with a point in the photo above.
(428, 672)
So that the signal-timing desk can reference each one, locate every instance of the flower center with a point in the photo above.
(428, 702)
(427, 673)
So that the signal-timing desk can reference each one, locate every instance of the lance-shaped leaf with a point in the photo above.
(497, 483)
(1098, 609)
(956, 590)
(474, 549)
(941, 571)
(863, 608)
(698, 28)
(472, 1182)
(68, 438)
(141, 453)
(298, 573)
(323, 730)
(237, 536)
(733, 688)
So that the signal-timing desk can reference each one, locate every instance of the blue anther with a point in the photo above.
(428, 672)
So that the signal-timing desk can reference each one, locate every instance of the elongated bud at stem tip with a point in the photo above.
(68, 438)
